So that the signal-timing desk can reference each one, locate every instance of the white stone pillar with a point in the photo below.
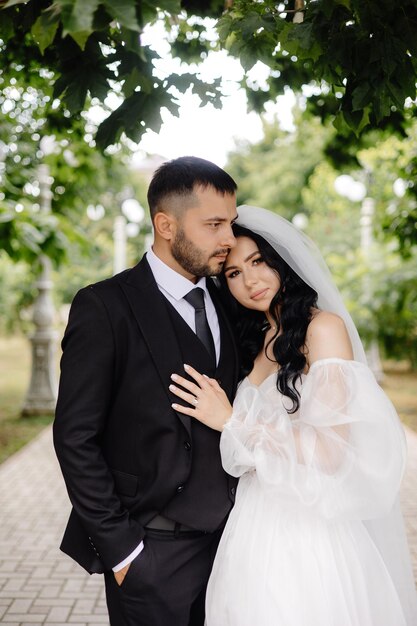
(119, 244)
(41, 396)
(367, 213)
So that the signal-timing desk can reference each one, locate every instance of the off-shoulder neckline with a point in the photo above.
(331, 359)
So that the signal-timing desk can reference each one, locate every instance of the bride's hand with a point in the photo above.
(209, 402)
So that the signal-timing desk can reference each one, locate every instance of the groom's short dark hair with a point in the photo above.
(179, 177)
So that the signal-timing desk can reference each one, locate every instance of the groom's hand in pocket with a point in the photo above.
(120, 575)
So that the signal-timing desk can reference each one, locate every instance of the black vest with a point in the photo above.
(208, 495)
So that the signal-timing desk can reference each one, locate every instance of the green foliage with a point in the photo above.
(273, 172)
(16, 294)
(394, 159)
(334, 221)
(93, 48)
(25, 235)
(395, 309)
(32, 137)
(359, 58)
(362, 54)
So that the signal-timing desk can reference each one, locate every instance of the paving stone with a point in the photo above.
(20, 605)
(59, 614)
(26, 617)
(90, 619)
(83, 606)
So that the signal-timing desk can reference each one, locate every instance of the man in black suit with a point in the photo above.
(150, 497)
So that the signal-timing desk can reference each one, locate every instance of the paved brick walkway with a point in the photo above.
(38, 584)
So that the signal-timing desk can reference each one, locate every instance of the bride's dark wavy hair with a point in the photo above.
(295, 300)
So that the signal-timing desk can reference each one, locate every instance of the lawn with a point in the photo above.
(15, 431)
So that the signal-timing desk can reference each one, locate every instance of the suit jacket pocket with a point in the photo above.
(126, 484)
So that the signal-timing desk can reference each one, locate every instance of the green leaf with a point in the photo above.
(64, 8)
(109, 131)
(81, 38)
(82, 15)
(137, 113)
(12, 3)
(44, 29)
(171, 6)
(405, 77)
(6, 27)
(361, 96)
(397, 93)
(247, 58)
(224, 27)
(340, 124)
(131, 41)
(356, 120)
(137, 79)
(307, 46)
(365, 119)
(124, 11)
(74, 88)
(382, 103)
(250, 24)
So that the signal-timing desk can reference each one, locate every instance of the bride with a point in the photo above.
(316, 536)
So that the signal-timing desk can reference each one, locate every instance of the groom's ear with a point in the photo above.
(165, 225)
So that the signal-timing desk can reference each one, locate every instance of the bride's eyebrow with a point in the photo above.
(248, 258)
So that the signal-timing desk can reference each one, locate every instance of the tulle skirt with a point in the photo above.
(280, 564)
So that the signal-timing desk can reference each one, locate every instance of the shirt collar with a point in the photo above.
(171, 281)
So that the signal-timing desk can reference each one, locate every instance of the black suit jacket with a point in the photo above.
(118, 440)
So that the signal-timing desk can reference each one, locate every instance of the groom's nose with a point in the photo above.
(228, 240)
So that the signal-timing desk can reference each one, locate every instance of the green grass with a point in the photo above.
(399, 384)
(16, 431)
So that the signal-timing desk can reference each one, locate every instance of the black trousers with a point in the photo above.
(166, 584)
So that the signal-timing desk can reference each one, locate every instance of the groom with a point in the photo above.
(149, 495)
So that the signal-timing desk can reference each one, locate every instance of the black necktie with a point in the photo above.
(196, 298)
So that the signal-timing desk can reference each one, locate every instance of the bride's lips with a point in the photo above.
(259, 294)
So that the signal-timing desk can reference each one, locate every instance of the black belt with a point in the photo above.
(159, 522)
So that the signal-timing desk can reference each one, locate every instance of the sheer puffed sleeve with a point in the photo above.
(343, 453)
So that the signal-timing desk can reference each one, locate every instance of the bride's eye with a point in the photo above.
(258, 260)
(232, 274)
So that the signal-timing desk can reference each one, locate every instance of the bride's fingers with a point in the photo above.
(213, 382)
(187, 384)
(199, 378)
(188, 397)
(185, 410)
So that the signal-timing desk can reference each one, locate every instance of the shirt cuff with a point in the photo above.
(129, 558)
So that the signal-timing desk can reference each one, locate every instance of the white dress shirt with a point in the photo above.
(174, 287)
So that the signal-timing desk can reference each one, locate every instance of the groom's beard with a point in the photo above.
(191, 258)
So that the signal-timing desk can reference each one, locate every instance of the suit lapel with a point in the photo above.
(149, 308)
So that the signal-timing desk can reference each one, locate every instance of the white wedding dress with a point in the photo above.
(316, 536)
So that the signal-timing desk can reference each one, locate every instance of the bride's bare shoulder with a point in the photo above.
(327, 337)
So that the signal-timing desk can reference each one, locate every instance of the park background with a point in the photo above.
(310, 106)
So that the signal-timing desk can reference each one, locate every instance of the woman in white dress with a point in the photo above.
(316, 536)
